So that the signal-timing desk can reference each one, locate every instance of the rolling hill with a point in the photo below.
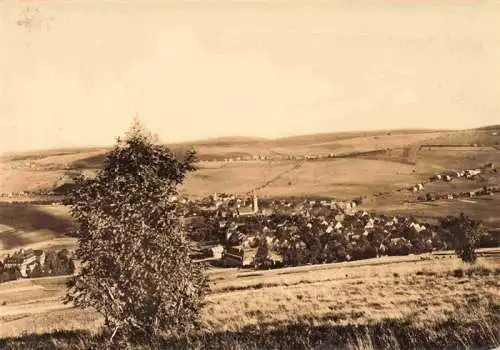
(31, 171)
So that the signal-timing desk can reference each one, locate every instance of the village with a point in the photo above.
(235, 230)
(246, 232)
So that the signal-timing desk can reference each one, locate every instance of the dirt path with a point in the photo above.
(277, 177)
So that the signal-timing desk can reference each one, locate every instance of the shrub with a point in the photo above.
(479, 270)
(464, 234)
(10, 274)
(136, 269)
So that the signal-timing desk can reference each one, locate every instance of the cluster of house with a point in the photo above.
(276, 157)
(450, 175)
(417, 188)
(352, 227)
(484, 191)
(355, 226)
(468, 173)
(306, 157)
(25, 261)
(324, 217)
(29, 164)
(12, 165)
(15, 194)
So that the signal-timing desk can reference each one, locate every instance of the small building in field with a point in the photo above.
(238, 256)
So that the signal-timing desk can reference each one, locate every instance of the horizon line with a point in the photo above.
(257, 138)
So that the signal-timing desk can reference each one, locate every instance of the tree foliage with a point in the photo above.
(136, 270)
(464, 233)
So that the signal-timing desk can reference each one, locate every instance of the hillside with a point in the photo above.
(487, 136)
(374, 161)
(370, 304)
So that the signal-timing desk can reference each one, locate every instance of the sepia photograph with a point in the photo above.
(250, 174)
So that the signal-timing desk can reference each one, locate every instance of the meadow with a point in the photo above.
(361, 292)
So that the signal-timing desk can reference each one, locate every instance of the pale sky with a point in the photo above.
(76, 73)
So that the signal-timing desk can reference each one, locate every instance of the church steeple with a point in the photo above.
(255, 204)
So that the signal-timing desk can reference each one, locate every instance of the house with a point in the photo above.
(217, 251)
(370, 224)
(339, 217)
(238, 256)
(472, 172)
(382, 249)
(396, 240)
(25, 260)
(419, 228)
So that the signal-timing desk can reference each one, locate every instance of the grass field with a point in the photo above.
(480, 137)
(344, 293)
(486, 209)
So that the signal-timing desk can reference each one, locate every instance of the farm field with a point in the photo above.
(480, 208)
(336, 178)
(332, 294)
(401, 162)
(33, 171)
(481, 137)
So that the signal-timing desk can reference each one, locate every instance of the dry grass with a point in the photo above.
(17, 180)
(240, 177)
(339, 178)
(458, 158)
(334, 294)
(342, 178)
(469, 137)
(355, 295)
(480, 208)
